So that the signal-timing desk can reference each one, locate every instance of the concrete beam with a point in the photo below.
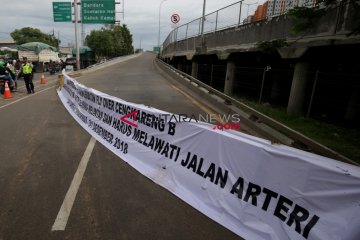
(292, 52)
(223, 56)
(190, 56)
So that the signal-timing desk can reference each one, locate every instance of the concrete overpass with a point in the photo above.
(330, 40)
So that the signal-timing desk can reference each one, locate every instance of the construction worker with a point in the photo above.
(27, 72)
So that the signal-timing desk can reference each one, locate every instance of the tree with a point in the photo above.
(128, 47)
(110, 41)
(101, 42)
(29, 34)
(306, 18)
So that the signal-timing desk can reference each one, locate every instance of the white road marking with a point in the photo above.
(30, 95)
(64, 212)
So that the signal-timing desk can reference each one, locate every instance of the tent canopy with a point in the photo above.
(83, 49)
(36, 47)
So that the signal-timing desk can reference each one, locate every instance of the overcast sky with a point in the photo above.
(141, 17)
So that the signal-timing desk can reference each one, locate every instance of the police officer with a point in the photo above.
(26, 71)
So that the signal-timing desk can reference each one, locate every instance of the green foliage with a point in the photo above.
(29, 34)
(271, 47)
(111, 41)
(306, 18)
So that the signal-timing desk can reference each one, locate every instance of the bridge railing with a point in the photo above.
(226, 17)
(223, 18)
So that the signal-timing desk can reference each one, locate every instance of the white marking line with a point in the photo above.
(64, 212)
(30, 95)
(24, 86)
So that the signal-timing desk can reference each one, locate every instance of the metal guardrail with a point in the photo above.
(296, 136)
(225, 17)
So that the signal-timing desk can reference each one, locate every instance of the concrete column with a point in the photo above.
(298, 89)
(194, 69)
(230, 78)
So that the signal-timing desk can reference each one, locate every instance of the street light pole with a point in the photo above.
(202, 23)
(77, 35)
(159, 24)
(247, 12)
(267, 68)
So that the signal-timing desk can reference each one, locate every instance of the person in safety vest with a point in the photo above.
(27, 72)
(7, 75)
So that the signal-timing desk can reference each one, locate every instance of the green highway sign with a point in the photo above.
(98, 11)
(62, 11)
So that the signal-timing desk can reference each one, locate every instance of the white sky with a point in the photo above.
(141, 17)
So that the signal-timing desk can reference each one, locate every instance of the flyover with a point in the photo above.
(321, 49)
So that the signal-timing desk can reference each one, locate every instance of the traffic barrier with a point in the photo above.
(42, 81)
(7, 93)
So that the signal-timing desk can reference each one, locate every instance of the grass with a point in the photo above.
(345, 141)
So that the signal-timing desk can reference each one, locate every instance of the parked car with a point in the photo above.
(71, 61)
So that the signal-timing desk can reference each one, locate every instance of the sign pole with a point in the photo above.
(76, 35)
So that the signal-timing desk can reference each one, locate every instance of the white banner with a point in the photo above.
(254, 188)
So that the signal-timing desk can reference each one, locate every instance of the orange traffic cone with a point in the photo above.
(42, 81)
(7, 93)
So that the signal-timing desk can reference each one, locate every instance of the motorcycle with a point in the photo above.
(53, 70)
(2, 86)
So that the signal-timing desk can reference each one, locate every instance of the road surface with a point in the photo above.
(41, 147)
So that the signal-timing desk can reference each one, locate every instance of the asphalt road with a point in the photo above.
(41, 146)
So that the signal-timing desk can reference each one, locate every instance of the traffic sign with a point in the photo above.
(62, 11)
(175, 18)
(98, 11)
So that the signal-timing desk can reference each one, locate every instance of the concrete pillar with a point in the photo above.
(298, 89)
(229, 78)
(194, 69)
